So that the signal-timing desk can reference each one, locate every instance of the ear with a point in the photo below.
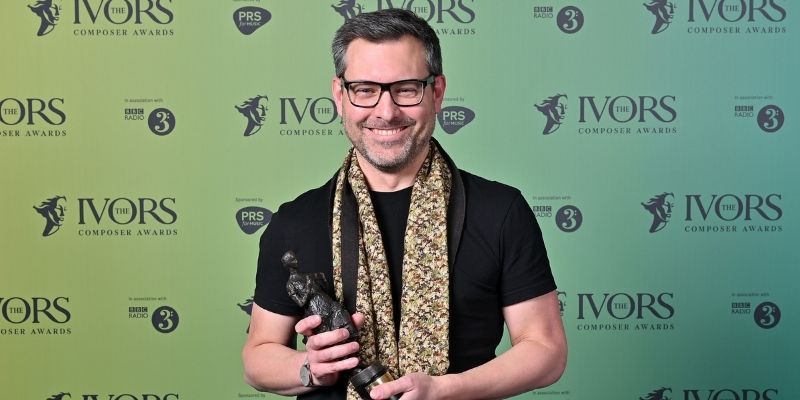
(337, 91)
(439, 85)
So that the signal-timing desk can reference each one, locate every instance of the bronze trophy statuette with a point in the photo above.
(307, 289)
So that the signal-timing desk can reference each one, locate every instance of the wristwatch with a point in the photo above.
(305, 375)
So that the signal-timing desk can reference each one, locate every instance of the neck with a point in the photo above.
(392, 181)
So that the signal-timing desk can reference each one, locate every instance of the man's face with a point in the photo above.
(389, 137)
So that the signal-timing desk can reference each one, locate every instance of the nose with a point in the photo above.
(386, 109)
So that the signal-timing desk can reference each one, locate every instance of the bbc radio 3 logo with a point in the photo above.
(165, 319)
(612, 115)
(568, 19)
(160, 121)
(766, 314)
(110, 18)
(568, 218)
(707, 213)
(770, 118)
(110, 216)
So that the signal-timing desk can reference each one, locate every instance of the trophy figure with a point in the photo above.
(308, 291)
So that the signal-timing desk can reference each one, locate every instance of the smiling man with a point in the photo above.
(432, 260)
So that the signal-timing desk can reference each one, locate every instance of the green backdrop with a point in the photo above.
(121, 120)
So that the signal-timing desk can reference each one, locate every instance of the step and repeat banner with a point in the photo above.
(146, 143)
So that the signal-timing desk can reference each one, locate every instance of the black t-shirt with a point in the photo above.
(391, 210)
(500, 261)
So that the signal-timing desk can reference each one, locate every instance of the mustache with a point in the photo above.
(382, 124)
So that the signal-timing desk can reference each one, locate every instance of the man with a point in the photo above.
(443, 257)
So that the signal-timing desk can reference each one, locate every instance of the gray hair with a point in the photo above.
(385, 25)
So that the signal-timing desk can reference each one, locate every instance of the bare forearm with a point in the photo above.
(528, 365)
(274, 368)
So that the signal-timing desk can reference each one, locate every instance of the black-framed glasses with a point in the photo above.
(405, 93)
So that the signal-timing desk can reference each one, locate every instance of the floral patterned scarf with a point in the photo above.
(423, 343)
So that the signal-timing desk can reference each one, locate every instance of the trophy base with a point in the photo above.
(364, 378)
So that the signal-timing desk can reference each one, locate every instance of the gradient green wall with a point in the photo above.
(77, 312)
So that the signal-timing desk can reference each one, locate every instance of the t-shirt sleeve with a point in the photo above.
(271, 276)
(526, 268)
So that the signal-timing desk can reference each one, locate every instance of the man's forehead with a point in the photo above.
(363, 53)
(362, 47)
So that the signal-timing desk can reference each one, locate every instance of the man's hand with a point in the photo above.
(412, 387)
(326, 353)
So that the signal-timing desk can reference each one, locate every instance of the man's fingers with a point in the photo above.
(322, 369)
(306, 325)
(333, 352)
(397, 386)
(358, 320)
(326, 339)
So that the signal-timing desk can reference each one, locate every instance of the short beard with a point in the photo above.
(411, 148)
(401, 161)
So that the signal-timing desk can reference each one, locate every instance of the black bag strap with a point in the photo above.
(349, 249)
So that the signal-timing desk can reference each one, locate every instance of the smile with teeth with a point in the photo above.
(386, 132)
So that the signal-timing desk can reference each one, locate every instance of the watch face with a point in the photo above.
(305, 375)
